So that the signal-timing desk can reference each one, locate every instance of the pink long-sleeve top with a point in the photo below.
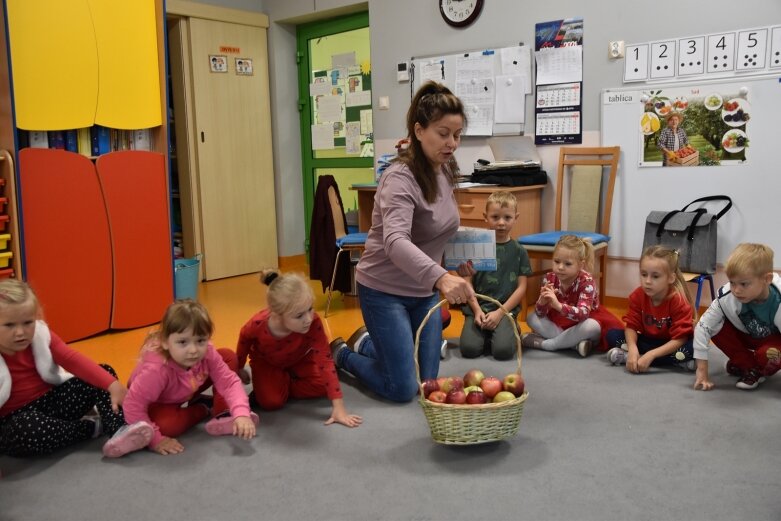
(406, 242)
(158, 380)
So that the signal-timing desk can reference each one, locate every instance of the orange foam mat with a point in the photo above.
(55, 63)
(66, 241)
(136, 194)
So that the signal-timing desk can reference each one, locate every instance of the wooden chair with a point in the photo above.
(589, 202)
(345, 242)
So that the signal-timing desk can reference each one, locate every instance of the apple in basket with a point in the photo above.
(437, 396)
(456, 396)
(503, 396)
(476, 397)
(441, 381)
(453, 383)
(491, 385)
(514, 383)
(473, 377)
(428, 386)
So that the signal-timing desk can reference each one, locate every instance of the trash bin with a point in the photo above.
(186, 277)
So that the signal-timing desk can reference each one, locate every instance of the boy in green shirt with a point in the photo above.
(486, 330)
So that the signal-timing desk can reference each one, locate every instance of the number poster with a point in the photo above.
(748, 51)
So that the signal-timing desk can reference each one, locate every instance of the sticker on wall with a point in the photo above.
(244, 67)
(218, 63)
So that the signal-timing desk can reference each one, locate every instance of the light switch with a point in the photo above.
(384, 102)
(615, 49)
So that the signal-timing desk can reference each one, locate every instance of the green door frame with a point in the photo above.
(309, 164)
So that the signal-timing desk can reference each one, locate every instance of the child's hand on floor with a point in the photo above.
(244, 427)
(168, 446)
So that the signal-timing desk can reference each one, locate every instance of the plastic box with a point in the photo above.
(5, 258)
(4, 239)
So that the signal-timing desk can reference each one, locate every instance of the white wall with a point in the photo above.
(401, 29)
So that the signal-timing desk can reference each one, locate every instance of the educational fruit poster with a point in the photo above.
(706, 125)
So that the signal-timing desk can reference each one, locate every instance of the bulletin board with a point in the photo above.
(505, 64)
(753, 183)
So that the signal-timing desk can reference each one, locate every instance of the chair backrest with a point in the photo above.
(337, 212)
(589, 199)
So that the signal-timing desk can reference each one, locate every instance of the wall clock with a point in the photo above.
(460, 13)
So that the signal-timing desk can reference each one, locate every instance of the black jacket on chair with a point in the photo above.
(322, 239)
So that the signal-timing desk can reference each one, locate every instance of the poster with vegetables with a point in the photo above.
(694, 126)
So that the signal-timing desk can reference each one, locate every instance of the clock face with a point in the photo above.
(460, 13)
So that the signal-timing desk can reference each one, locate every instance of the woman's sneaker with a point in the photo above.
(750, 380)
(616, 356)
(128, 438)
(222, 425)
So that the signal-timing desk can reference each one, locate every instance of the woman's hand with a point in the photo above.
(168, 446)
(455, 289)
(117, 393)
(244, 427)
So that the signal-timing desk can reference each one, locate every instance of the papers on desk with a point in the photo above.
(469, 184)
(502, 165)
(472, 244)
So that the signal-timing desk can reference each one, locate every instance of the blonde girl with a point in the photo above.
(659, 322)
(178, 363)
(289, 353)
(567, 314)
(47, 389)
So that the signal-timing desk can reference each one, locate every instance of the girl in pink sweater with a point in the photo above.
(177, 364)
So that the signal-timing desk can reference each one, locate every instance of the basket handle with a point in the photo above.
(436, 307)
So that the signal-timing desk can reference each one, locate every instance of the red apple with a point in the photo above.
(503, 396)
(473, 377)
(476, 397)
(451, 384)
(437, 396)
(428, 386)
(456, 396)
(514, 383)
(490, 386)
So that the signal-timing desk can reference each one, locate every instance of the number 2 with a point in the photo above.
(664, 50)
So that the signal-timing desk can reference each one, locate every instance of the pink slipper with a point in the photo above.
(222, 425)
(128, 438)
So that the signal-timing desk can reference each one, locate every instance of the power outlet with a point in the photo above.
(615, 49)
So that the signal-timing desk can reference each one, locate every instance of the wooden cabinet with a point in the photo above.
(223, 138)
(95, 233)
(471, 205)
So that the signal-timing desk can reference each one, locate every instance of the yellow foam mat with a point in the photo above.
(54, 62)
(128, 78)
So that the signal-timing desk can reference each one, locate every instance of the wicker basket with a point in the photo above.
(452, 424)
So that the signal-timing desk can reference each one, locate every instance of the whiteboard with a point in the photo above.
(449, 70)
(754, 186)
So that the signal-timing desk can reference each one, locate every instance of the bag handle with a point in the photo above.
(713, 198)
(699, 212)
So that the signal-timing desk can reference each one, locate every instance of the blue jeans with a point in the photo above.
(616, 337)
(384, 361)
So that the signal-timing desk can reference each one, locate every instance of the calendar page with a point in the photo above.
(563, 95)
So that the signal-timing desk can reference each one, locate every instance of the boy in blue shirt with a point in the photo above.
(744, 320)
(485, 327)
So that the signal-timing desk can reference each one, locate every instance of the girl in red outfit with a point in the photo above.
(568, 314)
(47, 388)
(288, 351)
(659, 323)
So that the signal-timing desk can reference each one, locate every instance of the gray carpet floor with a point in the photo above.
(595, 443)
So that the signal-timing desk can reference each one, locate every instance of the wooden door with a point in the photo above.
(232, 125)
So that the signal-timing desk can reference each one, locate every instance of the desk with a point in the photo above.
(471, 205)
